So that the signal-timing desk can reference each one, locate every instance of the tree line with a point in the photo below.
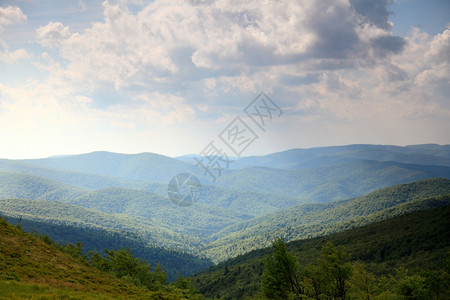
(333, 276)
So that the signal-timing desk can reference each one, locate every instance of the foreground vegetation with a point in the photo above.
(32, 267)
(406, 257)
(332, 276)
(415, 241)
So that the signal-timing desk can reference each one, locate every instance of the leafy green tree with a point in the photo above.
(362, 282)
(313, 281)
(280, 275)
(188, 290)
(437, 283)
(122, 264)
(411, 287)
(335, 266)
(75, 251)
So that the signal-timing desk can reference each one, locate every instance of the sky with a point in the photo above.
(185, 77)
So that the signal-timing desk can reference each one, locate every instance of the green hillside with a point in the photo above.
(201, 220)
(98, 239)
(142, 167)
(248, 202)
(72, 215)
(218, 233)
(417, 241)
(329, 183)
(311, 220)
(14, 185)
(427, 154)
(84, 180)
(32, 269)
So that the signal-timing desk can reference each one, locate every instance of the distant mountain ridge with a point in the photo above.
(329, 183)
(296, 194)
(144, 166)
(428, 154)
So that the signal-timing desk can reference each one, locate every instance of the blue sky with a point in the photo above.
(169, 76)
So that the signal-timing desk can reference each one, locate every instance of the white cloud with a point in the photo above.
(53, 34)
(7, 57)
(11, 15)
(193, 64)
(166, 42)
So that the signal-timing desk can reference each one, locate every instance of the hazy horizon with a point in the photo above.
(196, 154)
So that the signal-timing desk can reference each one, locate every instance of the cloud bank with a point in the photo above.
(167, 76)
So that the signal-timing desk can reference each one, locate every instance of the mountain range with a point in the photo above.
(296, 194)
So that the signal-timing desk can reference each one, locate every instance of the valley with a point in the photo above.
(110, 201)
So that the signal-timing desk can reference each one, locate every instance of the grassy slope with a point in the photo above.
(418, 240)
(172, 261)
(30, 268)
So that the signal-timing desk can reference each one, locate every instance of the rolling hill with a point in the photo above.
(66, 214)
(99, 239)
(148, 167)
(83, 180)
(418, 241)
(296, 194)
(310, 220)
(330, 183)
(307, 175)
(32, 269)
(201, 220)
(203, 230)
(428, 154)
(15, 185)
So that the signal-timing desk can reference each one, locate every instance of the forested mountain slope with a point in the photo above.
(417, 241)
(15, 185)
(318, 219)
(142, 167)
(295, 194)
(427, 154)
(329, 183)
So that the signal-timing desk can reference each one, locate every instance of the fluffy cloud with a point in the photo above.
(7, 57)
(11, 15)
(54, 34)
(167, 64)
(168, 42)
